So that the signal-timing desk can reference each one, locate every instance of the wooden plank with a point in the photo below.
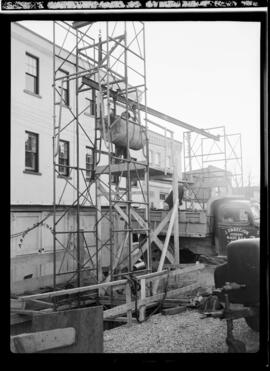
(166, 243)
(177, 301)
(128, 302)
(29, 312)
(175, 201)
(88, 323)
(16, 304)
(160, 246)
(120, 169)
(154, 238)
(117, 208)
(74, 290)
(175, 310)
(121, 309)
(98, 231)
(44, 340)
(105, 284)
(16, 319)
(89, 82)
(143, 296)
(39, 304)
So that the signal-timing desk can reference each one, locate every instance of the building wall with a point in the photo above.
(35, 114)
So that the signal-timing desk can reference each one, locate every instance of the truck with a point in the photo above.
(208, 232)
(237, 290)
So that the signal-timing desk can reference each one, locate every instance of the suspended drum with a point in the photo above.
(118, 132)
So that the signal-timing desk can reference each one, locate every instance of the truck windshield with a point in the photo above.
(229, 214)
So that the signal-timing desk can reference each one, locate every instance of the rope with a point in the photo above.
(23, 233)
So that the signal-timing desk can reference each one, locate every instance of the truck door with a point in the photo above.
(234, 221)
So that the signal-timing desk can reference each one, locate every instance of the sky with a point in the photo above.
(206, 74)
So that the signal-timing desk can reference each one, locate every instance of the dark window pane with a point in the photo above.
(63, 158)
(29, 160)
(31, 151)
(89, 162)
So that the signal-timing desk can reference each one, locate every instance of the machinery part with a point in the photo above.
(242, 268)
(209, 304)
(118, 132)
(235, 346)
(254, 321)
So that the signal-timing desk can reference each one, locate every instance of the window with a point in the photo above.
(157, 159)
(234, 215)
(168, 161)
(64, 157)
(255, 209)
(32, 74)
(91, 103)
(31, 151)
(162, 196)
(89, 162)
(151, 156)
(65, 93)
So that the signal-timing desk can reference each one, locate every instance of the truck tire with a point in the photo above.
(253, 322)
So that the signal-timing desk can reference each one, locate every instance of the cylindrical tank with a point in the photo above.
(137, 137)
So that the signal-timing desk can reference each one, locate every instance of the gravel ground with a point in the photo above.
(180, 333)
(185, 332)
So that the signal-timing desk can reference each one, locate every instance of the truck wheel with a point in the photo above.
(253, 322)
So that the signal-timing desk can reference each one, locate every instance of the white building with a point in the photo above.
(32, 151)
(32, 125)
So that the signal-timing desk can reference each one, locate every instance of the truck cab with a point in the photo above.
(233, 218)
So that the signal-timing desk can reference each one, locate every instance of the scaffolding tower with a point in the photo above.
(216, 162)
(99, 67)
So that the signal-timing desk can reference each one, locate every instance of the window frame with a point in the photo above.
(36, 168)
(88, 177)
(157, 159)
(36, 90)
(164, 194)
(67, 169)
(66, 91)
(92, 104)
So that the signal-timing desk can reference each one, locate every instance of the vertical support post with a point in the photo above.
(143, 296)
(98, 234)
(110, 158)
(241, 162)
(81, 247)
(54, 164)
(165, 246)
(78, 167)
(127, 151)
(147, 211)
(128, 301)
(175, 202)
(225, 164)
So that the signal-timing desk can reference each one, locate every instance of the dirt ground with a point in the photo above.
(185, 332)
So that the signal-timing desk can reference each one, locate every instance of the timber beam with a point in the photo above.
(122, 99)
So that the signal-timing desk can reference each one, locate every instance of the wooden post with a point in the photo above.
(175, 201)
(81, 247)
(98, 232)
(128, 301)
(143, 296)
